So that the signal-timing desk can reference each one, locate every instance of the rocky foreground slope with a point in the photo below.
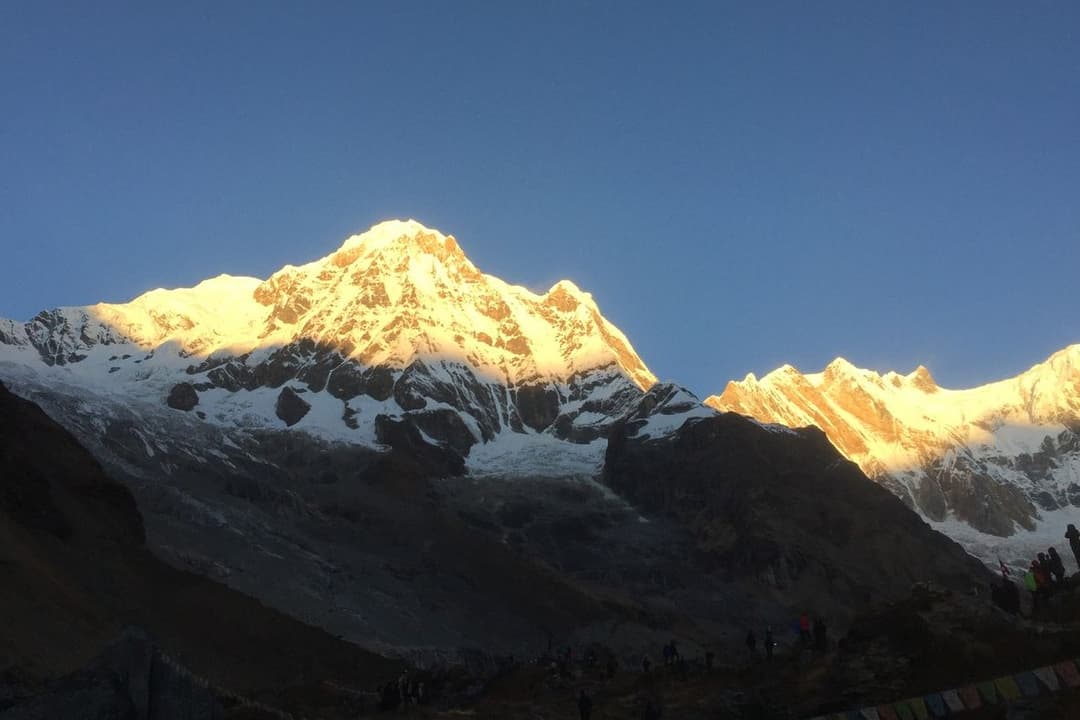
(76, 571)
(1002, 459)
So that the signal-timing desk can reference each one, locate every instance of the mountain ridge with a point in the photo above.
(996, 456)
(359, 275)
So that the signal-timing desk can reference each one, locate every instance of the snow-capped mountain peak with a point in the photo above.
(397, 318)
(402, 291)
(399, 237)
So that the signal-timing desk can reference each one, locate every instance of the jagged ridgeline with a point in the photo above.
(396, 322)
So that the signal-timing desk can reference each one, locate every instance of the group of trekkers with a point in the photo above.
(562, 665)
(401, 693)
(811, 635)
(1042, 579)
(674, 660)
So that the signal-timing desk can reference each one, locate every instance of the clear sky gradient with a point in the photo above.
(739, 185)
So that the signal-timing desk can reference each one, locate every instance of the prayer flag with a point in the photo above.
(970, 695)
(952, 699)
(936, 705)
(885, 712)
(1008, 688)
(1048, 678)
(988, 691)
(1028, 684)
(1067, 671)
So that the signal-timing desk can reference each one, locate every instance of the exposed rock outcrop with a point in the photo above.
(445, 426)
(182, 396)
(404, 436)
(538, 406)
(290, 407)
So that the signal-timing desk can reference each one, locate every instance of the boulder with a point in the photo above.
(290, 407)
(182, 397)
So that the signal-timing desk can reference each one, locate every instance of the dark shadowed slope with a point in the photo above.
(75, 571)
(784, 508)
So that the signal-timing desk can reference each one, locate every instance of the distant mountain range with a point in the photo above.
(1002, 458)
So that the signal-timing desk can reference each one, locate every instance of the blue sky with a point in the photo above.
(739, 185)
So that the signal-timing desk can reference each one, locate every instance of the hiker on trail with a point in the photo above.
(1031, 582)
(751, 642)
(1074, 541)
(821, 637)
(1057, 567)
(768, 643)
(674, 653)
(667, 654)
(391, 698)
(804, 629)
(1042, 575)
(645, 663)
(584, 705)
(403, 687)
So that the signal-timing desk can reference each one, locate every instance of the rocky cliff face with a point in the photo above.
(996, 457)
(396, 322)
